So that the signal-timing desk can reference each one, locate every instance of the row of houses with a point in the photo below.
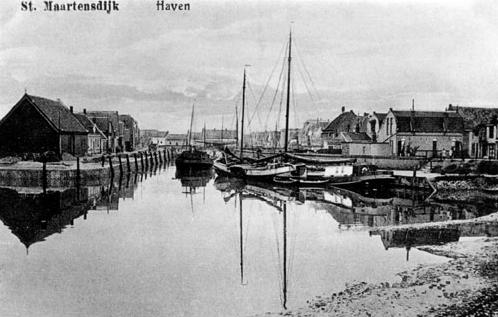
(456, 132)
(37, 125)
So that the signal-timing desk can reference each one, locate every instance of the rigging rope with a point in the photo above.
(298, 53)
(267, 82)
(276, 90)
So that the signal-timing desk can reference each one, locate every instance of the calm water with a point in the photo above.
(165, 246)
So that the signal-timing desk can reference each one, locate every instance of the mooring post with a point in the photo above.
(155, 157)
(158, 153)
(151, 160)
(44, 177)
(120, 165)
(141, 160)
(146, 161)
(164, 156)
(414, 176)
(111, 168)
(136, 162)
(103, 160)
(78, 178)
(128, 162)
(78, 172)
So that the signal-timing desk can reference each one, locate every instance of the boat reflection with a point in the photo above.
(192, 179)
(372, 209)
(366, 208)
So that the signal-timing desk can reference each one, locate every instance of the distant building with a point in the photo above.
(36, 125)
(176, 139)
(264, 139)
(431, 133)
(131, 133)
(219, 134)
(293, 138)
(311, 134)
(96, 139)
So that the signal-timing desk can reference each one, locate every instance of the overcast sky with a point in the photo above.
(365, 55)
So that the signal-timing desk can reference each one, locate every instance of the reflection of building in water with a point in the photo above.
(32, 216)
(414, 237)
(372, 208)
(403, 207)
(409, 238)
(417, 237)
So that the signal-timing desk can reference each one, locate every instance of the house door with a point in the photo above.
(400, 146)
(434, 148)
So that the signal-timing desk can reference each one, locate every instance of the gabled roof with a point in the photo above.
(474, 116)
(355, 137)
(88, 124)
(428, 121)
(339, 120)
(380, 115)
(58, 115)
(128, 120)
(102, 119)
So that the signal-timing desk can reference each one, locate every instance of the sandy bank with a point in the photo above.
(467, 285)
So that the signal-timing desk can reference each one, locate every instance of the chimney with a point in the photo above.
(343, 109)
(84, 110)
(71, 109)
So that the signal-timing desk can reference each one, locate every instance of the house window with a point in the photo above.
(387, 126)
(491, 132)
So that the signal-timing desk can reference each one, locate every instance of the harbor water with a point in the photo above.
(170, 244)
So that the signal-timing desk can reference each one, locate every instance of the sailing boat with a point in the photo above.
(265, 168)
(193, 158)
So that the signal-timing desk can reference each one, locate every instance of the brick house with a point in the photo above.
(36, 125)
(427, 133)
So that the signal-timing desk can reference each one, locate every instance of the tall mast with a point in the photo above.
(236, 126)
(204, 134)
(191, 122)
(285, 256)
(288, 94)
(243, 109)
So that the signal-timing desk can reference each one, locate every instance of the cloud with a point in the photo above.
(367, 55)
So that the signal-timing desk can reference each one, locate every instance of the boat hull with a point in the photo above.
(260, 173)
